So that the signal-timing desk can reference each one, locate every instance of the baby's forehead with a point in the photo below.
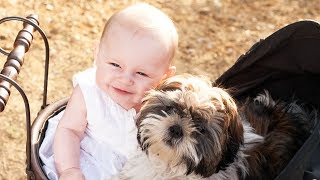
(134, 36)
(139, 29)
(145, 19)
(145, 22)
(134, 45)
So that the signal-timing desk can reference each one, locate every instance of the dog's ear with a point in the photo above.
(234, 138)
(233, 142)
(231, 138)
(232, 125)
(233, 121)
(234, 130)
(229, 108)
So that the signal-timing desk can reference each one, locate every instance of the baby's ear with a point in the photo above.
(170, 72)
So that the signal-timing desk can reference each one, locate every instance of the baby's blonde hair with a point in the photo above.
(147, 18)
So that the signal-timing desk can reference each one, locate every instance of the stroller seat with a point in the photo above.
(38, 130)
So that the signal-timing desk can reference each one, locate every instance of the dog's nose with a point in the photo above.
(175, 131)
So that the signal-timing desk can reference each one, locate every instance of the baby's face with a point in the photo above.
(129, 64)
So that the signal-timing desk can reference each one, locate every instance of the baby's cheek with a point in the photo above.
(141, 95)
(143, 87)
(146, 86)
(153, 85)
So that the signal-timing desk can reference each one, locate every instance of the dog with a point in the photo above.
(188, 129)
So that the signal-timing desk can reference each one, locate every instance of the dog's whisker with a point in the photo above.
(160, 100)
(165, 113)
(154, 116)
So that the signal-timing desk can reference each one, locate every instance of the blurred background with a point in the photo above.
(213, 34)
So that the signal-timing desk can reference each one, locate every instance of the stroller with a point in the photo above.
(285, 63)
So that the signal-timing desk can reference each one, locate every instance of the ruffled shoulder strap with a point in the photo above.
(87, 82)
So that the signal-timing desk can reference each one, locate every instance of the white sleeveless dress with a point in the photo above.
(110, 136)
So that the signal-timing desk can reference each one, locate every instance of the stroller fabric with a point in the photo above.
(287, 64)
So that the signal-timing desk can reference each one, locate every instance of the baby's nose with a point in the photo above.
(127, 78)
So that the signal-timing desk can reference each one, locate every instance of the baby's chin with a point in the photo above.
(135, 105)
(129, 104)
(125, 101)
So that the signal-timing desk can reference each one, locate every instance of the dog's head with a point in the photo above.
(189, 124)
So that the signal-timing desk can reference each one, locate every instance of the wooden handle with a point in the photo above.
(14, 61)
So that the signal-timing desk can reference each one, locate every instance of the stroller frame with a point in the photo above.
(12, 67)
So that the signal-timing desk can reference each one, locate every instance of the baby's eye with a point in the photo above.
(142, 74)
(114, 64)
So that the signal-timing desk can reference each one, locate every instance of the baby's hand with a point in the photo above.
(71, 174)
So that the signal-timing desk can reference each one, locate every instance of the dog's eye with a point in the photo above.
(170, 109)
(196, 117)
(201, 129)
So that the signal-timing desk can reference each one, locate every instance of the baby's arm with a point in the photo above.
(68, 135)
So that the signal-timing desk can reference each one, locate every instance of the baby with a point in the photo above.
(96, 133)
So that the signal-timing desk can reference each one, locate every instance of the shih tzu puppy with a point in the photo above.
(188, 129)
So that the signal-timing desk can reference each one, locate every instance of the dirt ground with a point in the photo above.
(213, 34)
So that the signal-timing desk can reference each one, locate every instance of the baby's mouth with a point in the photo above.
(121, 91)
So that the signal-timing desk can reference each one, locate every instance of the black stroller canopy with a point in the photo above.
(287, 64)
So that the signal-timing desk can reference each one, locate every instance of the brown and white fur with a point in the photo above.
(188, 129)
